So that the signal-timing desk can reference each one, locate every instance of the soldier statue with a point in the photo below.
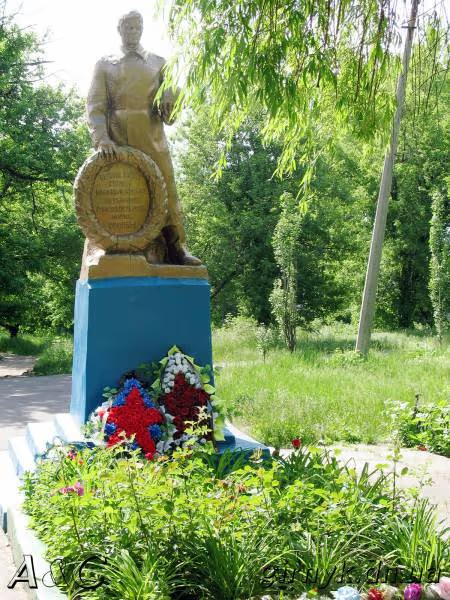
(122, 111)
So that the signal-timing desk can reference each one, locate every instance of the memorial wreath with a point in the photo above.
(159, 407)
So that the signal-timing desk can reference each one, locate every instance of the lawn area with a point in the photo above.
(324, 390)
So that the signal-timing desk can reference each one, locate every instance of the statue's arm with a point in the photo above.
(97, 107)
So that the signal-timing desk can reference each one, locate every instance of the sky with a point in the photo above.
(80, 32)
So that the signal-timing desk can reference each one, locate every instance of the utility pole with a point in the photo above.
(373, 266)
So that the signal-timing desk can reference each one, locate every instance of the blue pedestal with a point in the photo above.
(125, 321)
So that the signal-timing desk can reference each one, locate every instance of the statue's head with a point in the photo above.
(130, 28)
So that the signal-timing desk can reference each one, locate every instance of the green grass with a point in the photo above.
(324, 391)
(26, 344)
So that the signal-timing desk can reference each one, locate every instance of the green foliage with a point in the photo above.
(42, 141)
(286, 246)
(231, 223)
(22, 344)
(421, 168)
(56, 357)
(313, 68)
(426, 426)
(180, 529)
(266, 338)
(147, 577)
(440, 263)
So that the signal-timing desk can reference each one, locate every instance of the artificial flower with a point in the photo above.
(389, 591)
(374, 594)
(346, 593)
(412, 591)
(442, 588)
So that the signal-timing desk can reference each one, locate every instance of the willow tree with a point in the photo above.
(298, 60)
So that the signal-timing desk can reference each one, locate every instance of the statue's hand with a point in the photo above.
(108, 149)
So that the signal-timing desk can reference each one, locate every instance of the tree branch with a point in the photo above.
(225, 282)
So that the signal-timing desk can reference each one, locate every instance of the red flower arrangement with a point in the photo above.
(133, 414)
(156, 418)
(184, 403)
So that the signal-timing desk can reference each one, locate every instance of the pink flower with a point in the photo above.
(442, 588)
(75, 488)
(78, 488)
(412, 591)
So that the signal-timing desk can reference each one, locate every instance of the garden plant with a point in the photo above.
(190, 525)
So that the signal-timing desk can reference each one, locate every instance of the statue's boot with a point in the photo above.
(156, 251)
(178, 252)
(151, 257)
(186, 258)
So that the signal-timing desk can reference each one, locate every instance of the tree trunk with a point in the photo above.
(13, 330)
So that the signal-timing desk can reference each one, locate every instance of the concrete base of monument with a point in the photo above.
(23, 542)
(123, 322)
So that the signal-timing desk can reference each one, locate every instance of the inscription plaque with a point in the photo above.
(120, 198)
(121, 204)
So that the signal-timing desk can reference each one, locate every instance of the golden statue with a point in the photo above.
(122, 111)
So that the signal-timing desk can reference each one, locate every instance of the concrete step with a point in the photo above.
(39, 436)
(20, 455)
(9, 490)
(24, 542)
(236, 440)
(67, 428)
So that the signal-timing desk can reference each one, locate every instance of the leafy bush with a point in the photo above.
(266, 338)
(426, 427)
(199, 526)
(56, 358)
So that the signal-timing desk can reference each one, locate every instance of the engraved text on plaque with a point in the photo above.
(120, 198)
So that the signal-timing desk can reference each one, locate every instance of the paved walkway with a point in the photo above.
(30, 399)
(7, 570)
(12, 365)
